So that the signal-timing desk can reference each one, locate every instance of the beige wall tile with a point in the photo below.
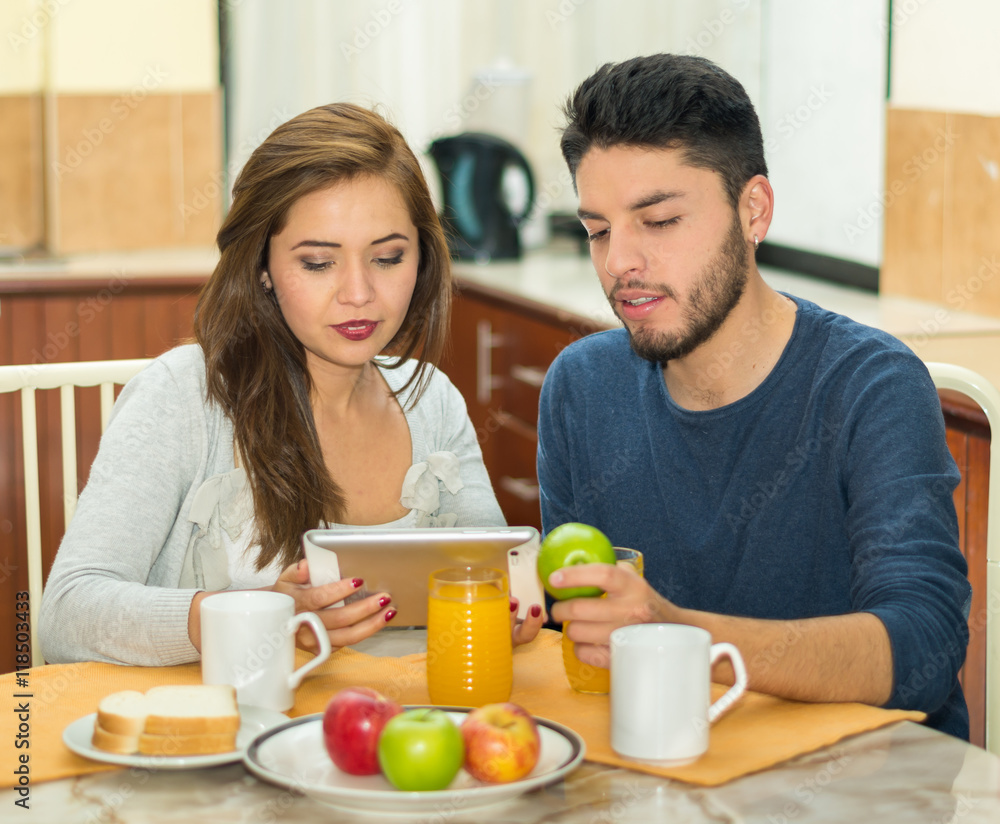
(112, 172)
(915, 173)
(21, 189)
(971, 275)
(122, 166)
(199, 212)
(942, 232)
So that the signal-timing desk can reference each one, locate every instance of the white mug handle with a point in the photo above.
(324, 645)
(725, 703)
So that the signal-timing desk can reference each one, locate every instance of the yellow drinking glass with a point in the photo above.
(469, 655)
(586, 677)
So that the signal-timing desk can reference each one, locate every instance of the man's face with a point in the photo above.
(666, 244)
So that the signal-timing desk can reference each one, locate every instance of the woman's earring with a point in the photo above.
(756, 243)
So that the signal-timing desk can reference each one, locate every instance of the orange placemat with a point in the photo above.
(758, 733)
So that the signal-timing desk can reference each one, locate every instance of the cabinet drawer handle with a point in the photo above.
(520, 488)
(486, 342)
(530, 375)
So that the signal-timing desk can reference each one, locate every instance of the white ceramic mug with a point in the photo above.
(248, 640)
(660, 691)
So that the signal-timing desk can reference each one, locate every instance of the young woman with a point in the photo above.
(310, 398)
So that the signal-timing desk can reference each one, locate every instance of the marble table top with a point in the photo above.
(901, 773)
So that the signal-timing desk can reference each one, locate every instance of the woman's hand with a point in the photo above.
(345, 625)
(521, 632)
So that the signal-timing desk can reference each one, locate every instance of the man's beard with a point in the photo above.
(715, 295)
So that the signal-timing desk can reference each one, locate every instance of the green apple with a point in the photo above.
(421, 749)
(570, 544)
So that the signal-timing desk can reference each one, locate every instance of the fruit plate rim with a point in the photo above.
(392, 801)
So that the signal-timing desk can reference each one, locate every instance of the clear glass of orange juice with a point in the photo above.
(469, 655)
(586, 677)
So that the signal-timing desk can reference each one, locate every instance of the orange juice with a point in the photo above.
(469, 659)
(583, 677)
(586, 677)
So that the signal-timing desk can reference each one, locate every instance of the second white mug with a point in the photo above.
(248, 640)
(660, 691)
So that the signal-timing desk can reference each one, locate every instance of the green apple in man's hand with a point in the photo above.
(570, 544)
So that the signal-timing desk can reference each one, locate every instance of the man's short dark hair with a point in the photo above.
(668, 101)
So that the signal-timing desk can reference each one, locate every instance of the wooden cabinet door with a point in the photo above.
(528, 347)
(498, 357)
(467, 363)
(66, 322)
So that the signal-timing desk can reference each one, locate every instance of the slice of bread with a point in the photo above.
(201, 744)
(194, 719)
(123, 713)
(113, 742)
(192, 710)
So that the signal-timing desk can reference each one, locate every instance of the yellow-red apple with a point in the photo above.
(501, 743)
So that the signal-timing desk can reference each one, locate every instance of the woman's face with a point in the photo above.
(343, 270)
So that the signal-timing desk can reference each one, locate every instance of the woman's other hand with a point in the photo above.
(521, 632)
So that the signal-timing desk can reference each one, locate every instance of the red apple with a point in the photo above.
(352, 724)
(501, 743)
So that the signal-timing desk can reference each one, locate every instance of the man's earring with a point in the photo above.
(756, 243)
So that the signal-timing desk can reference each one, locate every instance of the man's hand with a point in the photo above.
(629, 600)
(830, 658)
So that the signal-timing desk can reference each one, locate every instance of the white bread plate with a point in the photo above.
(253, 721)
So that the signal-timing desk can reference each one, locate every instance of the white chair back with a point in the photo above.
(65, 377)
(976, 387)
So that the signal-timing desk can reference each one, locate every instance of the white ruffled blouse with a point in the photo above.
(130, 560)
(222, 557)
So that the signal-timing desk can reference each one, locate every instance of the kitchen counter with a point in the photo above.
(563, 281)
(567, 283)
(46, 274)
(145, 263)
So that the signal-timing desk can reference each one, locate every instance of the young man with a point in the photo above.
(783, 469)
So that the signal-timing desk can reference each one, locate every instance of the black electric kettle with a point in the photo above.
(479, 219)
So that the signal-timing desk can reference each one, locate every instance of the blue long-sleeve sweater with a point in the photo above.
(826, 490)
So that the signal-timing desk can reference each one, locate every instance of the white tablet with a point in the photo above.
(400, 561)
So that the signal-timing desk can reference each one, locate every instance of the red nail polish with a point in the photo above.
(385, 599)
(536, 610)
(356, 582)
(513, 607)
(390, 615)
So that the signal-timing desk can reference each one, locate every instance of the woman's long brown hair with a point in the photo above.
(256, 368)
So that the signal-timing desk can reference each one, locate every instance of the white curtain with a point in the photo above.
(815, 71)
(422, 61)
